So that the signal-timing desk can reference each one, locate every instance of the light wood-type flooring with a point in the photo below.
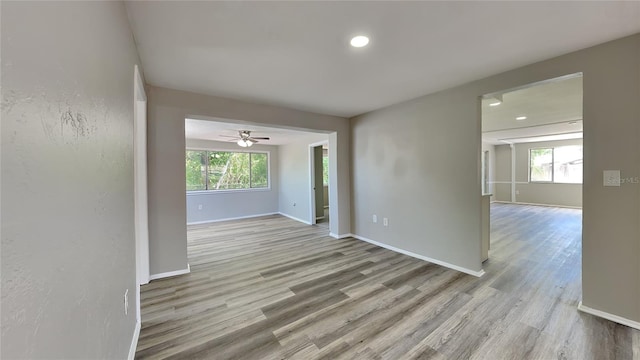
(273, 288)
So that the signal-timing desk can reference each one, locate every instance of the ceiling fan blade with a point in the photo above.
(227, 136)
(260, 138)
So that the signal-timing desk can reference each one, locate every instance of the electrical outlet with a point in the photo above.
(199, 206)
(375, 218)
(126, 302)
(385, 221)
(517, 192)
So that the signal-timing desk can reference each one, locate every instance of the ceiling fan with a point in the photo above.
(244, 138)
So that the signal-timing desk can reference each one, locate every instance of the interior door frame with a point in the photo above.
(312, 173)
(141, 215)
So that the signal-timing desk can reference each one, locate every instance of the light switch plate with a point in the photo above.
(611, 177)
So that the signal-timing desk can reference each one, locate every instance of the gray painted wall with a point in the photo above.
(68, 248)
(534, 193)
(417, 164)
(218, 206)
(295, 184)
(549, 194)
(502, 185)
(428, 184)
(167, 110)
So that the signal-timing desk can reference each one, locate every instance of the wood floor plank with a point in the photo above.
(405, 335)
(274, 288)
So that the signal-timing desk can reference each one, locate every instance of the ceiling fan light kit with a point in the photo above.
(244, 138)
(245, 142)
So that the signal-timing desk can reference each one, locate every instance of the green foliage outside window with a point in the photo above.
(224, 170)
(562, 164)
(541, 165)
(195, 166)
(325, 170)
(259, 170)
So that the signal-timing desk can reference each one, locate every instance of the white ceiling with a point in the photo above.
(560, 131)
(552, 108)
(215, 130)
(547, 103)
(296, 54)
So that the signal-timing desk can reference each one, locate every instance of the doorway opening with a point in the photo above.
(319, 175)
(228, 179)
(531, 162)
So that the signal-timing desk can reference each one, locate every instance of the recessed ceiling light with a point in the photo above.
(495, 103)
(359, 41)
(521, 118)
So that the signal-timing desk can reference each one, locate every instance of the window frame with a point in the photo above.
(553, 165)
(222, 191)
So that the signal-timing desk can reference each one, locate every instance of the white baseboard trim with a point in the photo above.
(170, 273)
(231, 218)
(421, 257)
(548, 205)
(134, 341)
(295, 218)
(536, 204)
(611, 317)
(336, 236)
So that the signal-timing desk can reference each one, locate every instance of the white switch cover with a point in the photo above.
(611, 177)
(375, 219)
(385, 222)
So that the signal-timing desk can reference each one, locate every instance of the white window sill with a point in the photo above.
(230, 191)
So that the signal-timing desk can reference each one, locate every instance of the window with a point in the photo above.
(325, 169)
(561, 164)
(225, 170)
(541, 165)
(567, 164)
(196, 167)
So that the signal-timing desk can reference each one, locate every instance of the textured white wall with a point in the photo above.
(68, 249)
